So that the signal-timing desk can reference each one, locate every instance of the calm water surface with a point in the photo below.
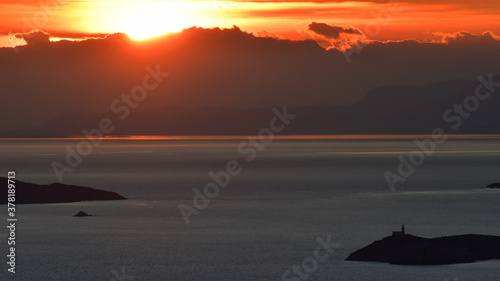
(264, 222)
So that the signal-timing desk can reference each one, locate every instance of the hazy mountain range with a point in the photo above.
(227, 81)
(386, 110)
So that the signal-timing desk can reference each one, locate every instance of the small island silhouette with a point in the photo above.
(406, 249)
(81, 214)
(29, 193)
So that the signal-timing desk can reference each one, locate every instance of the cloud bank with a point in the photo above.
(35, 37)
(331, 32)
(336, 37)
(222, 68)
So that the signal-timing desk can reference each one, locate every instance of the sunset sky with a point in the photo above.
(424, 20)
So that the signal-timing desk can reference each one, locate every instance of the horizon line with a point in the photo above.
(279, 137)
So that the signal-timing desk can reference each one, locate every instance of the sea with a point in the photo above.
(289, 196)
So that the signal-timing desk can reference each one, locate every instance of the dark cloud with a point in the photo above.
(223, 68)
(469, 38)
(34, 37)
(331, 32)
(336, 37)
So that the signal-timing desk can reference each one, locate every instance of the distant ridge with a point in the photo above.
(230, 68)
(388, 110)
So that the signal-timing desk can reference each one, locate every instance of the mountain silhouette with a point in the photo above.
(386, 110)
(227, 68)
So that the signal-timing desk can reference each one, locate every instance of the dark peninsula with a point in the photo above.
(494, 185)
(406, 249)
(29, 193)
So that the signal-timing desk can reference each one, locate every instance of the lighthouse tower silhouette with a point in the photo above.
(399, 233)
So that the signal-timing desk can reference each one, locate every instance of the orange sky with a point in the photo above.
(377, 20)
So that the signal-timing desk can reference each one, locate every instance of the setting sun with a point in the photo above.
(146, 19)
(143, 26)
(142, 20)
